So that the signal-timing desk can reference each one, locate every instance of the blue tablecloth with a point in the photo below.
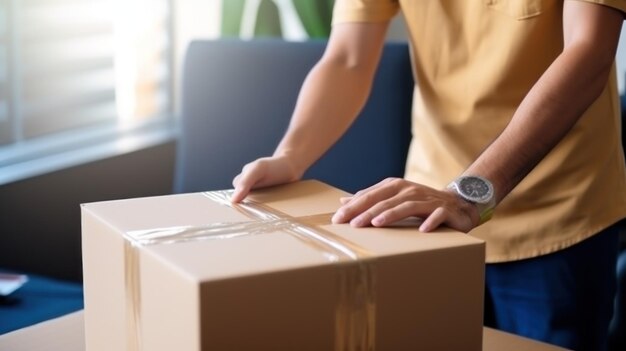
(40, 299)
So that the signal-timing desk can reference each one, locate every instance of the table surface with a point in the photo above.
(67, 333)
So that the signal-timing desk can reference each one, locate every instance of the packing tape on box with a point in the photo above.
(355, 310)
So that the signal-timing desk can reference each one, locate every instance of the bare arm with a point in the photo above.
(332, 95)
(554, 104)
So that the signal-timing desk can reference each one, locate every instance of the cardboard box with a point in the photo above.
(278, 277)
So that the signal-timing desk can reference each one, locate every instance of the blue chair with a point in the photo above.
(238, 97)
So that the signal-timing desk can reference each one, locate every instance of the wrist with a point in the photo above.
(292, 166)
(478, 192)
(468, 208)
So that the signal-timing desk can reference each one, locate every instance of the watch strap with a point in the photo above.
(485, 212)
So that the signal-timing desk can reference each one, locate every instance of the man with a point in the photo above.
(515, 115)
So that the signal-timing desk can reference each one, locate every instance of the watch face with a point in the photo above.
(475, 189)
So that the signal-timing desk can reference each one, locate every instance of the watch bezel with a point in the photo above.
(483, 199)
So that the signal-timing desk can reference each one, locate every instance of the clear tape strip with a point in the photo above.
(133, 296)
(355, 310)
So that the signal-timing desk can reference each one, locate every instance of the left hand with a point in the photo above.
(395, 199)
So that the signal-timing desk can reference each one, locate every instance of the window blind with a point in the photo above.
(6, 132)
(72, 64)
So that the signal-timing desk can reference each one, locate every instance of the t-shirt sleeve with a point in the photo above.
(366, 10)
(617, 4)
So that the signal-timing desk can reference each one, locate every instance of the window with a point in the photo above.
(5, 126)
(75, 72)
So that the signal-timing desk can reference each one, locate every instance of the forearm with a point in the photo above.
(331, 97)
(333, 93)
(552, 107)
(329, 101)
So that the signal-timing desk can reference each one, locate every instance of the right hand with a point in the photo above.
(264, 172)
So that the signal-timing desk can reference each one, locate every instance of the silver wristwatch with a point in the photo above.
(476, 190)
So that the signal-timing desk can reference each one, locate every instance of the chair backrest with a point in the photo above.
(238, 97)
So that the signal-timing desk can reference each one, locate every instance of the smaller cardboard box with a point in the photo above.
(195, 272)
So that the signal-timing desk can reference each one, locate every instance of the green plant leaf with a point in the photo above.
(232, 13)
(268, 20)
(316, 16)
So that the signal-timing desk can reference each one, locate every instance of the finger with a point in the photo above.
(236, 180)
(347, 199)
(239, 194)
(249, 177)
(432, 222)
(397, 213)
(344, 200)
(360, 204)
(382, 183)
(365, 218)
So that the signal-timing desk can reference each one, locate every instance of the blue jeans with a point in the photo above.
(617, 331)
(564, 298)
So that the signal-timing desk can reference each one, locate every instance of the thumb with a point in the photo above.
(243, 183)
(240, 193)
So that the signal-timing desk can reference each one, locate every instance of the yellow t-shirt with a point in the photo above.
(474, 61)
